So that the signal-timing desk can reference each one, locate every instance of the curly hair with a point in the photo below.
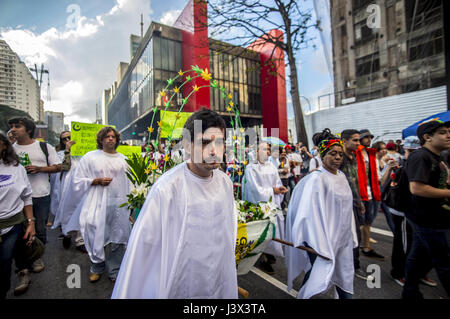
(101, 135)
(8, 155)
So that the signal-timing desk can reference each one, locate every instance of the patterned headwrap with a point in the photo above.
(325, 145)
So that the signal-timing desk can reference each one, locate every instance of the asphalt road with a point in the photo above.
(52, 282)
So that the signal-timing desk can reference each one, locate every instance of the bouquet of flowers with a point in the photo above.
(249, 212)
(143, 173)
(257, 225)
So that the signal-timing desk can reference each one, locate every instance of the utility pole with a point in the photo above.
(142, 26)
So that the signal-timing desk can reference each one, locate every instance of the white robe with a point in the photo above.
(55, 187)
(183, 242)
(68, 203)
(97, 214)
(320, 213)
(260, 181)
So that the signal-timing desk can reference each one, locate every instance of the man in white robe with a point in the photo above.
(320, 215)
(261, 183)
(100, 186)
(183, 242)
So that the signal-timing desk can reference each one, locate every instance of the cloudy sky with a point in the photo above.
(82, 54)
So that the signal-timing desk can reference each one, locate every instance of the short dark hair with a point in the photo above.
(30, 127)
(8, 155)
(102, 134)
(347, 134)
(208, 118)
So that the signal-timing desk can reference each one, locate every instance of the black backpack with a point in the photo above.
(396, 193)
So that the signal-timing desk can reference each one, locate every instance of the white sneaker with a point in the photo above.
(38, 265)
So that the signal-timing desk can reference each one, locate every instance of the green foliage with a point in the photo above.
(136, 171)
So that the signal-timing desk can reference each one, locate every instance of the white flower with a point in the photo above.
(134, 192)
(141, 189)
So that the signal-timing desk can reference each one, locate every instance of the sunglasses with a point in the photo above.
(66, 138)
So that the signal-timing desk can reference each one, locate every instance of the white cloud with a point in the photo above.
(82, 61)
(170, 17)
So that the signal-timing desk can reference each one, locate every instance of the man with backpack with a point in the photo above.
(397, 197)
(428, 179)
(40, 160)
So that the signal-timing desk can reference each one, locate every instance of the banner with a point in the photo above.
(85, 136)
(128, 151)
(168, 119)
(252, 240)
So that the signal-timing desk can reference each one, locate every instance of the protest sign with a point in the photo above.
(168, 119)
(128, 151)
(85, 136)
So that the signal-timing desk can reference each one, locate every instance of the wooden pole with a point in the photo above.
(243, 292)
(300, 247)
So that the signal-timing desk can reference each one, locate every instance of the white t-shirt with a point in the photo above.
(294, 157)
(15, 191)
(40, 183)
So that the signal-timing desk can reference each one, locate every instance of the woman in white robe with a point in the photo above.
(320, 216)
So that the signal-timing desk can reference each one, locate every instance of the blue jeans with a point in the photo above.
(388, 215)
(371, 207)
(432, 242)
(41, 209)
(312, 258)
(7, 248)
(114, 255)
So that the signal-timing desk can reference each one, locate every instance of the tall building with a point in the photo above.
(386, 47)
(121, 70)
(54, 121)
(135, 41)
(18, 88)
(164, 51)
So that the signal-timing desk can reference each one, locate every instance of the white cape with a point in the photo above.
(320, 213)
(259, 182)
(260, 179)
(97, 214)
(67, 203)
(183, 242)
(55, 187)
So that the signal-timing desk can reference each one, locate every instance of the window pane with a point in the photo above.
(164, 54)
(171, 55)
(179, 55)
(157, 52)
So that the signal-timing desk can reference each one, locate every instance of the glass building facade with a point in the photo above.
(159, 58)
(241, 77)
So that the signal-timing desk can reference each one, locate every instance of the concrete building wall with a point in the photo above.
(404, 54)
(385, 117)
